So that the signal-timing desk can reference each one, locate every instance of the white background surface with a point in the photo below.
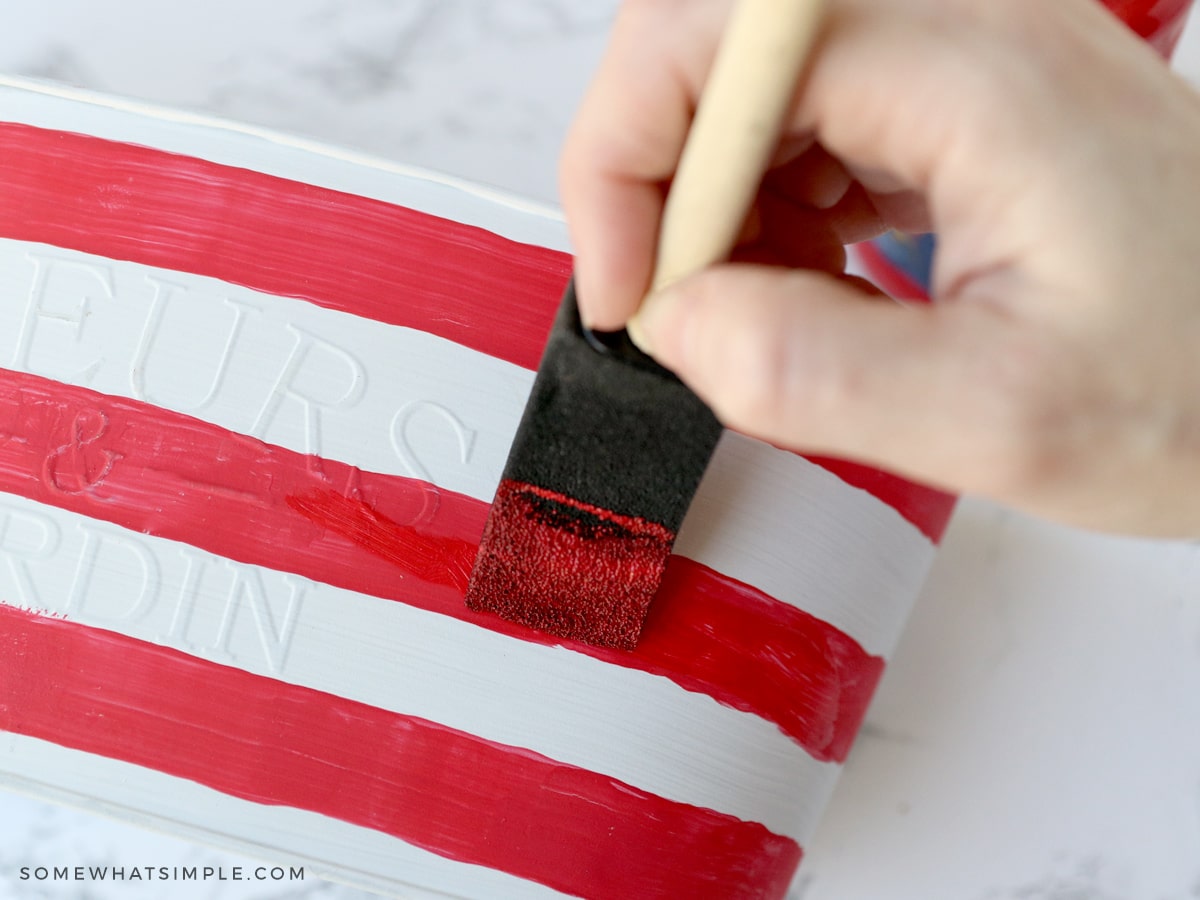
(1037, 736)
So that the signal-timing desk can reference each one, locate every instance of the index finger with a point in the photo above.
(625, 144)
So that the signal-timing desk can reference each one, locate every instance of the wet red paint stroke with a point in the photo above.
(166, 474)
(771, 659)
(443, 790)
(337, 250)
(442, 560)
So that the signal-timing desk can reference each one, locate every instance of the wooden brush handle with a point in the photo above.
(734, 133)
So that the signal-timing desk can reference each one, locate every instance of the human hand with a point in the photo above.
(1058, 161)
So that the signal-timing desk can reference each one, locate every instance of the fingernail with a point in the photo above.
(637, 332)
(648, 327)
(829, 193)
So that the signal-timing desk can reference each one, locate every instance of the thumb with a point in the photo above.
(812, 362)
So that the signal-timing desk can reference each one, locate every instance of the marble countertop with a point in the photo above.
(1037, 736)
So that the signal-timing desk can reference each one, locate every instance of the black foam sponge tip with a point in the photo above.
(606, 460)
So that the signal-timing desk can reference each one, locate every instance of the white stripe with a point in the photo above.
(277, 835)
(639, 728)
(399, 401)
(802, 535)
(64, 108)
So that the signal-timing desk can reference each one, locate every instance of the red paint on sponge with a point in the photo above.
(568, 568)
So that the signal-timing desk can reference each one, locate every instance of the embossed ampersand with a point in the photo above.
(81, 463)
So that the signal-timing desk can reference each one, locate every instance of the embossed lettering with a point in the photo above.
(24, 538)
(116, 557)
(406, 447)
(317, 375)
(80, 464)
(189, 593)
(151, 336)
(41, 308)
(274, 639)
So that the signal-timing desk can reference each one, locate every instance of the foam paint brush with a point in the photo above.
(611, 447)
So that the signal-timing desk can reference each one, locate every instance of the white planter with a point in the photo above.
(257, 395)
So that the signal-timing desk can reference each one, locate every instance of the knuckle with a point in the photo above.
(775, 378)
(745, 384)
(1030, 411)
(751, 386)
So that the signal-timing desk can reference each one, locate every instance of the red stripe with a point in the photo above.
(443, 790)
(337, 250)
(888, 276)
(340, 251)
(927, 508)
(162, 473)
(1158, 21)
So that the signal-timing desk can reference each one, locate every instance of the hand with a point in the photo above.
(1058, 161)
